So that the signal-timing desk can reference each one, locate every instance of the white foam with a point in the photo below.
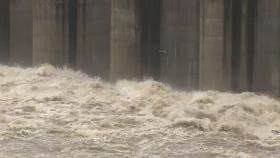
(47, 99)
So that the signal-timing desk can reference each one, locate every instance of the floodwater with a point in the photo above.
(47, 112)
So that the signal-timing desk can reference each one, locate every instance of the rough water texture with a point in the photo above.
(48, 112)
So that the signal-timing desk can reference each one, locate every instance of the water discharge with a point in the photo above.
(50, 112)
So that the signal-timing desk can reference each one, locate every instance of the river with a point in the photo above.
(50, 112)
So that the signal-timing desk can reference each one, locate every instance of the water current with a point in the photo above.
(49, 112)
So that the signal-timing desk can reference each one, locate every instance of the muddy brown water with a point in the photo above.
(48, 112)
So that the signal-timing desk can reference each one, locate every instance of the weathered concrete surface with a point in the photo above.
(214, 67)
(73, 32)
(242, 31)
(50, 32)
(192, 44)
(94, 27)
(150, 37)
(21, 30)
(242, 79)
(4, 31)
(267, 47)
(108, 39)
(125, 40)
(179, 43)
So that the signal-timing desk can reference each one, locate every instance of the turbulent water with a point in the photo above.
(48, 112)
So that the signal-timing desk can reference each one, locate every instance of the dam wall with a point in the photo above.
(226, 45)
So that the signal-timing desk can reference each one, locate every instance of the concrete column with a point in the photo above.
(214, 68)
(240, 44)
(50, 39)
(72, 29)
(179, 43)
(243, 82)
(125, 40)
(93, 53)
(108, 38)
(21, 35)
(267, 48)
(150, 37)
(4, 31)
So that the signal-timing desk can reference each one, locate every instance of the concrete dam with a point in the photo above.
(228, 45)
(139, 78)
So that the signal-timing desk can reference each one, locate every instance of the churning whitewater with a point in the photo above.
(51, 112)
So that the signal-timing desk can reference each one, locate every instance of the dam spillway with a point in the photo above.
(191, 44)
(139, 78)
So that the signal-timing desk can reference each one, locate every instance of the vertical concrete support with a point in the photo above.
(240, 44)
(125, 40)
(4, 31)
(21, 35)
(243, 78)
(93, 49)
(72, 29)
(267, 48)
(214, 65)
(108, 38)
(179, 43)
(150, 37)
(50, 39)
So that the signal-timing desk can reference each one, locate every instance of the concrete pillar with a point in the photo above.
(4, 31)
(179, 43)
(21, 34)
(267, 48)
(50, 32)
(243, 78)
(214, 68)
(125, 40)
(93, 53)
(108, 38)
(150, 37)
(72, 28)
(240, 44)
